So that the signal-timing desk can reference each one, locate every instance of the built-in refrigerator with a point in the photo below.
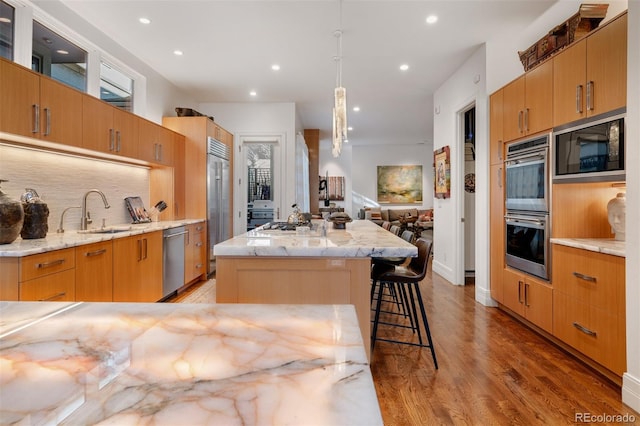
(218, 192)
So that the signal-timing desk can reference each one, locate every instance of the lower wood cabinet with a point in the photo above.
(195, 255)
(94, 272)
(48, 276)
(528, 297)
(589, 304)
(137, 268)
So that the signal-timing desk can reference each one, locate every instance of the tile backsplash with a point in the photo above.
(62, 180)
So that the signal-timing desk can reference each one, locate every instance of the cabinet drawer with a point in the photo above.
(55, 287)
(593, 278)
(596, 333)
(40, 265)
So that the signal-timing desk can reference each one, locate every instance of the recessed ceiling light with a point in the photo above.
(404, 67)
(5, 20)
(253, 93)
(178, 52)
(275, 67)
(62, 52)
(356, 108)
(432, 19)
(145, 21)
(349, 128)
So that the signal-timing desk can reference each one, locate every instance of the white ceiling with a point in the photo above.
(229, 47)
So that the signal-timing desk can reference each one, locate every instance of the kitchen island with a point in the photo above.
(323, 265)
(170, 364)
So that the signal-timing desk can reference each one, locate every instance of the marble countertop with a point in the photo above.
(54, 241)
(361, 238)
(600, 245)
(169, 364)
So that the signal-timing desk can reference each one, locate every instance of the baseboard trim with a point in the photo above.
(483, 296)
(631, 391)
(442, 270)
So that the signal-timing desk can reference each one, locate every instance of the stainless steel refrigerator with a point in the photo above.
(218, 190)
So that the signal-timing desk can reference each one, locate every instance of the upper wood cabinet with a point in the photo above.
(155, 143)
(39, 107)
(589, 77)
(527, 103)
(496, 140)
(108, 129)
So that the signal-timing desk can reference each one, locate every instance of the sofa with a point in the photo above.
(380, 215)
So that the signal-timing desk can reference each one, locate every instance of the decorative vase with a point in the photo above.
(36, 215)
(11, 218)
(616, 212)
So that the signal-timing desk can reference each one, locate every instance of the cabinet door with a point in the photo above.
(137, 268)
(94, 272)
(538, 112)
(165, 152)
(194, 252)
(179, 179)
(496, 148)
(569, 79)
(513, 291)
(60, 113)
(20, 100)
(126, 133)
(607, 67)
(98, 133)
(513, 109)
(59, 287)
(151, 267)
(538, 303)
(148, 140)
(497, 231)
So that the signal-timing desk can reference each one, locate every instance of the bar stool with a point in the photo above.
(405, 280)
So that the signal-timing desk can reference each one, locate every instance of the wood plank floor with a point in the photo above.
(492, 370)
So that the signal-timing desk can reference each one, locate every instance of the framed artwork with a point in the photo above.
(442, 172)
(400, 184)
(331, 188)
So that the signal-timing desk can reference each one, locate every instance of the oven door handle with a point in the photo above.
(530, 158)
(514, 220)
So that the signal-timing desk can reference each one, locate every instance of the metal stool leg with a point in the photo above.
(426, 324)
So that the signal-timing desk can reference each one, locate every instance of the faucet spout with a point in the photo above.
(86, 219)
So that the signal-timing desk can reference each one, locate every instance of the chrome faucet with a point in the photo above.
(86, 218)
(61, 226)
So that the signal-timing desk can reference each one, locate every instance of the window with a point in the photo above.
(58, 58)
(7, 19)
(116, 87)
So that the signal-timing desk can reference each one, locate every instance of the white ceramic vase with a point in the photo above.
(616, 212)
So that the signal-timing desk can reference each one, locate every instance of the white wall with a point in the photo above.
(631, 379)
(340, 166)
(464, 88)
(260, 119)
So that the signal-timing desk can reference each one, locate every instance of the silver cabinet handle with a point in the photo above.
(111, 140)
(36, 118)
(49, 264)
(519, 291)
(95, 253)
(584, 329)
(501, 143)
(199, 244)
(118, 141)
(520, 121)
(47, 115)
(176, 234)
(526, 120)
(526, 295)
(500, 177)
(584, 277)
(590, 96)
(55, 296)
(579, 99)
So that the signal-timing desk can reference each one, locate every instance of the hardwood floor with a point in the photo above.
(492, 370)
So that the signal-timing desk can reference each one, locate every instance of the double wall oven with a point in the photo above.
(527, 199)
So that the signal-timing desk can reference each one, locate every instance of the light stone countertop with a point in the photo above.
(600, 245)
(169, 364)
(54, 241)
(361, 238)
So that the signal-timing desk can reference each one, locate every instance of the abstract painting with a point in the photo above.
(400, 184)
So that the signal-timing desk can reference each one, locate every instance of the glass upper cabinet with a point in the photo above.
(7, 19)
(57, 57)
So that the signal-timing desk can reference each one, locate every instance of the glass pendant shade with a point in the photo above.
(339, 120)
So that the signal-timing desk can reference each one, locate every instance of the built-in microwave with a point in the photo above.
(591, 150)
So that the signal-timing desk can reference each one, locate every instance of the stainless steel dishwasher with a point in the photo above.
(173, 260)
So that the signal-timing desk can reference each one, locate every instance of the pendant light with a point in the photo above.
(340, 97)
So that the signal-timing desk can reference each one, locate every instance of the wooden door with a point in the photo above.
(569, 79)
(497, 231)
(148, 139)
(60, 113)
(94, 272)
(538, 113)
(125, 125)
(513, 109)
(165, 150)
(496, 141)
(538, 303)
(97, 125)
(151, 267)
(127, 254)
(58, 287)
(179, 180)
(513, 290)
(20, 99)
(607, 67)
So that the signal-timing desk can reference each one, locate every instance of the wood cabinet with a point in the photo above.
(137, 268)
(108, 129)
(590, 76)
(195, 254)
(39, 107)
(496, 243)
(527, 103)
(496, 140)
(48, 276)
(155, 143)
(589, 304)
(94, 272)
(528, 297)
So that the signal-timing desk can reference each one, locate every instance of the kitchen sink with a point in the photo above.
(107, 230)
